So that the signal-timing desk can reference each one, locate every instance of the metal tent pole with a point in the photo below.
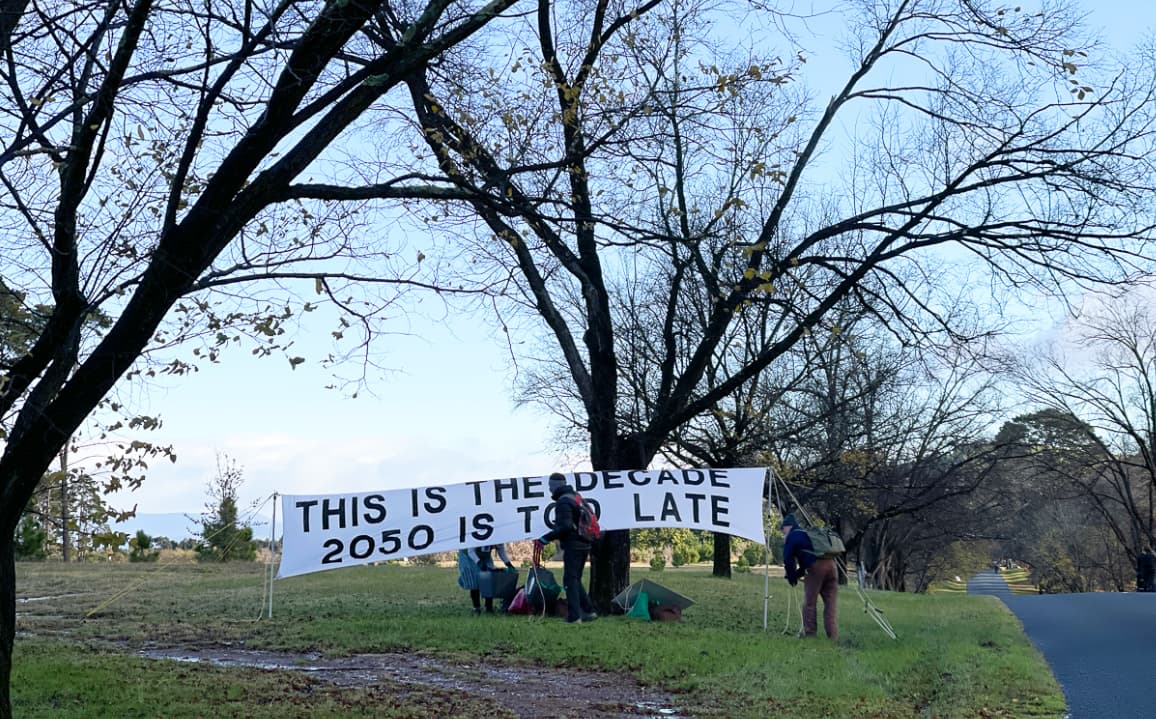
(272, 554)
(768, 478)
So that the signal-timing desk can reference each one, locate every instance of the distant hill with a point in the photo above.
(177, 526)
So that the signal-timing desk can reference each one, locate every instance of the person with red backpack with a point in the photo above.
(575, 549)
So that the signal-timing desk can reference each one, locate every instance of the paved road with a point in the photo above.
(1101, 646)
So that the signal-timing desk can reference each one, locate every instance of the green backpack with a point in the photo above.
(825, 542)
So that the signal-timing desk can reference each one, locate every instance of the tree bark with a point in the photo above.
(609, 568)
(7, 619)
(722, 555)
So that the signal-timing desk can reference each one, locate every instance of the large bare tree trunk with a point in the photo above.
(609, 568)
(7, 619)
(722, 555)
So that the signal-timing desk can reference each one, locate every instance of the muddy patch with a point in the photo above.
(527, 692)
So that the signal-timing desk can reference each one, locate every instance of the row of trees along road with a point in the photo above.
(630, 187)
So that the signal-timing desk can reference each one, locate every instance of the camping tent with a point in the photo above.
(656, 594)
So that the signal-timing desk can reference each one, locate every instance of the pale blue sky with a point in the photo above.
(445, 415)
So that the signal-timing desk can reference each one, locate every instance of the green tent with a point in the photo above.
(655, 594)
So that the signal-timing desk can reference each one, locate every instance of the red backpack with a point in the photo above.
(587, 521)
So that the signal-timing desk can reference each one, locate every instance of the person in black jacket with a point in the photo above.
(575, 550)
(1146, 571)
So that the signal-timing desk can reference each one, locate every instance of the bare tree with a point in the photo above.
(1104, 383)
(149, 154)
(983, 135)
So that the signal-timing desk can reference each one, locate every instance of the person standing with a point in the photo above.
(575, 550)
(1146, 571)
(471, 564)
(820, 579)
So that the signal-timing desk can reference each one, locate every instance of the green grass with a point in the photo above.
(957, 656)
(1019, 581)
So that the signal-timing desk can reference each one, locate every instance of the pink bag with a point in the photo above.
(519, 605)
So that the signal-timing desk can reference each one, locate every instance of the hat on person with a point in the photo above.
(789, 520)
(557, 482)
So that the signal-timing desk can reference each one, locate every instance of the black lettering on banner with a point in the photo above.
(305, 506)
(429, 536)
(585, 481)
(477, 493)
(670, 508)
(693, 477)
(527, 513)
(483, 526)
(328, 511)
(666, 476)
(718, 509)
(550, 514)
(532, 488)
(636, 480)
(357, 542)
(363, 546)
(718, 478)
(501, 486)
(638, 515)
(437, 500)
(694, 500)
(375, 511)
(612, 480)
(353, 511)
(334, 556)
(390, 541)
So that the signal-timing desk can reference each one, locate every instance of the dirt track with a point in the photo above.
(527, 692)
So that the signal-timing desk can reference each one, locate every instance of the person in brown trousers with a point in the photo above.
(820, 579)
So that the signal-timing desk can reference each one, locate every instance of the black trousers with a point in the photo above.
(577, 601)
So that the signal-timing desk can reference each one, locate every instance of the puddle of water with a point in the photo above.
(221, 662)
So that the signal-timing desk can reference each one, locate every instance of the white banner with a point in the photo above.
(330, 531)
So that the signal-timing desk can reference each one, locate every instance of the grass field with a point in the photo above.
(80, 626)
(1018, 581)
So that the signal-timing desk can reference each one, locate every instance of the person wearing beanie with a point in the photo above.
(575, 550)
(820, 578)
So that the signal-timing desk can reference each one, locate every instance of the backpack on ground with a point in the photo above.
(587, 521)
(825, 542)
(541, 590)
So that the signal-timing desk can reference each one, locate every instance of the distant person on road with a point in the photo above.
(471, 564)
(1146, 571)
(575, 550)
(820, 579)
